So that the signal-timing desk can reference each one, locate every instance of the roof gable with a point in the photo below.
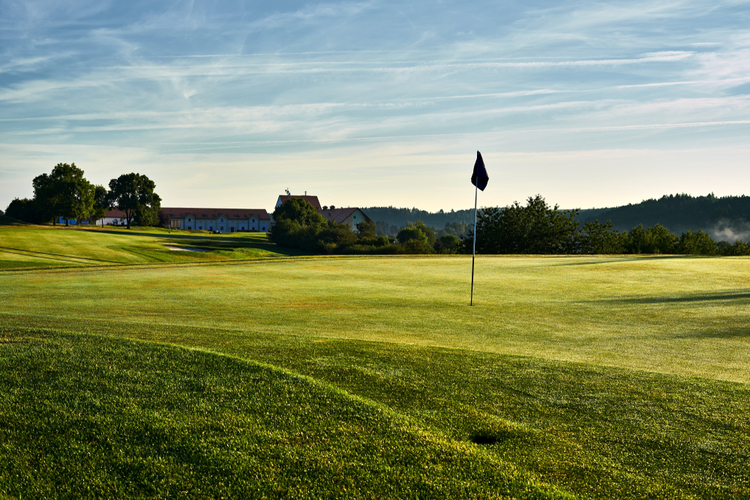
(312, 200)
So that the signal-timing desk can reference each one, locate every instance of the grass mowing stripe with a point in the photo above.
(93, 416)
(45, 255)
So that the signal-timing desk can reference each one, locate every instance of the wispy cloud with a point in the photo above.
(191, 79)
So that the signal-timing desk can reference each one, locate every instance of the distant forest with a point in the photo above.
(390, 220)
(724, 218)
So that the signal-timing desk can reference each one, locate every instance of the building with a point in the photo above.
(114, 218)
(72, 222)
(312, 200)
(350, 216)
(220, 220)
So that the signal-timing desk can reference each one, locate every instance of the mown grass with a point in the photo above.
(606, 377)
(89, 417)
(55, 246)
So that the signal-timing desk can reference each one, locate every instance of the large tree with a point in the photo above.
(535, 228)
(64, 193)
(297, 224)
(134, 194)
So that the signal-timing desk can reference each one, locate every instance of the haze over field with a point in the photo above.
(378, 103)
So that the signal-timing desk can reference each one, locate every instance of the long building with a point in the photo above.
(221, 220)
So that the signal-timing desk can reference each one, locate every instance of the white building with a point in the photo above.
(114, 218)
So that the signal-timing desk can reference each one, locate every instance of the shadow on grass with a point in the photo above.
(705, 297)
(739, 332)
(608, 259)
(211, 242)
(10, 221)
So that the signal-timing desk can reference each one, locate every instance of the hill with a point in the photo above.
(725, 218)
(400, 217)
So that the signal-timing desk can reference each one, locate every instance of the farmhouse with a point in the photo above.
(350, 216)
(221, 220)
(312, 200)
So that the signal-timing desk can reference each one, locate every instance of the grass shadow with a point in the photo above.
(704, 297)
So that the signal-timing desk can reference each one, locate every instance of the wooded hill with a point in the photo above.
(402, 216)
(724, 218)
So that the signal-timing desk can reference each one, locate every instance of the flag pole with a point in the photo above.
(474, 247)
(480, 179)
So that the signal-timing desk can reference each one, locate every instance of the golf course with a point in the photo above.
(170, 364)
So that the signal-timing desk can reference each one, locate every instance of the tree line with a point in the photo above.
(66, 193)
(538, 228)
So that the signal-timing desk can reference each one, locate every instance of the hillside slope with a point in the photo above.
(726, 218)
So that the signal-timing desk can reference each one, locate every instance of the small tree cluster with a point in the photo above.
(66, 193)
(299, 225)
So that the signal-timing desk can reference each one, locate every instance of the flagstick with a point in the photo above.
(474, 249)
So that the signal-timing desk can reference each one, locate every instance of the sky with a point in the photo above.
(379, 103)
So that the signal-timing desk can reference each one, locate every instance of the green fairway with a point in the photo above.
(45, 246)
(606, 377)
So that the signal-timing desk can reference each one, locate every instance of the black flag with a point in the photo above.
(479, 177)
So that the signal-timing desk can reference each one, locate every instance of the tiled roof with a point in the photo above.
(340, 214)
(312, 200)
(215, 213)
(115, 214)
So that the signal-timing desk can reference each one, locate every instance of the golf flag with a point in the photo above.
(479, 177)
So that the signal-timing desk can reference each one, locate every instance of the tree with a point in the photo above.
(101, 204)
(411, 233)
(448, 243)
(297, 223)
(598, 238)
(25, 210)
(535, 228)
(696, 243)
(656, 239)
(366, 230)
(64, 193)
(134, 194)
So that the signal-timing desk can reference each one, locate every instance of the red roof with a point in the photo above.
(215, 213)
(312, 200)
(115, 214)
(340, 214)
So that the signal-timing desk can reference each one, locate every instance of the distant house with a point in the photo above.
(114, 218)
(221, 220)
(351, 216)
(312, 200)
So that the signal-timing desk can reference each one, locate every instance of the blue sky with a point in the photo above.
(226, 104)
